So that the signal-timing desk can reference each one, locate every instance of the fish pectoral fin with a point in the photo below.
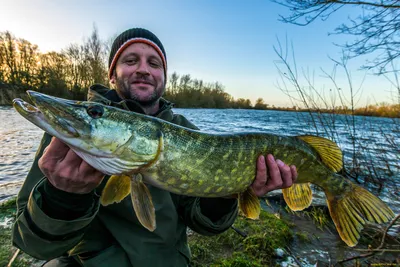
(331, 155)
(298, 196)
(142, 203)
(350, 212)
(249, 204)
(116, 189)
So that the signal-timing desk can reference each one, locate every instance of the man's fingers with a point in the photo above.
(273, 180)
(58, 144)
(286, 174)
(52, 154)
(56, 149)
(84, 167)
(261, 175)
(274, 172)
(294, 172)
(72, 159)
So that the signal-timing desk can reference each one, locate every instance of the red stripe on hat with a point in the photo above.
(136, 40)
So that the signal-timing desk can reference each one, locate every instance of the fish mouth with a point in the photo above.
(48, 112)
(25, 108)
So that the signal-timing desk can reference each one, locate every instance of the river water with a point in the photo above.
(379, 139)
(378, 142)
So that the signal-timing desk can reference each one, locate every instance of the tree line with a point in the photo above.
(65, 74)
(72, 71)
(187, 92)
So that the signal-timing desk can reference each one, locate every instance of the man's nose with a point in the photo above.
(143, 67)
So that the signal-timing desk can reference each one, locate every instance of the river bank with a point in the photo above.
(8, 93)
(227, 249)
(279, 238)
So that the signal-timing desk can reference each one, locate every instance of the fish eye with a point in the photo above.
(95, 111)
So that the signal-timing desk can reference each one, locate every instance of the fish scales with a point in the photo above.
(199, 157)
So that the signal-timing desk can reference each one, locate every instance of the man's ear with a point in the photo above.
(112, 79)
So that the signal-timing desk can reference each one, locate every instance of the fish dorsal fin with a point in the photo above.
(298, 196)
(249, 204)
(142, 203)
(328, 150)
(116, 189)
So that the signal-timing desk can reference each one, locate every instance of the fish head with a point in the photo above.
(105, 137)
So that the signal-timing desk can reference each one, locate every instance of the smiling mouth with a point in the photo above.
(146, 83)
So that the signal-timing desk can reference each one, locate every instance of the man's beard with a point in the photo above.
(124, 89)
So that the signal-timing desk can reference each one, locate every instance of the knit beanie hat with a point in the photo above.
(135, 35)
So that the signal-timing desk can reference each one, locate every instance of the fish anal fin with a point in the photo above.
(351, 211)
(116, 189)
(331, 155)
(249, 204)
(298, 196)
(142, 203)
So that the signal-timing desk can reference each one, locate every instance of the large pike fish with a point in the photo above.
(137, 150)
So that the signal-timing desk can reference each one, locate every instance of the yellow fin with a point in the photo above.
(249, 204)
(298, 196)
(142, 203)
(351, 211)
(328, 150)
(116, 189)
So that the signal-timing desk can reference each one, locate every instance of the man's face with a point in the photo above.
(139, 74)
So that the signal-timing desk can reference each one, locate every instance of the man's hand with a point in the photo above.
(67, 171)
(272, 174)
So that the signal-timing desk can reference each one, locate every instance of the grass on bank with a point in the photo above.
(7, 217)
(257, 248)
(231, 249)
(227, 249)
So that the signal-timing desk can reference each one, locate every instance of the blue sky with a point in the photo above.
(226, 41)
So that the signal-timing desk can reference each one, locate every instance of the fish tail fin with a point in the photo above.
(298, 196)
(352, 209)
(249, 204)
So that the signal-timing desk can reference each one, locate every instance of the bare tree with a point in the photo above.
(74, 56)
(95, 55)
(260, 104)
(18, 59)
(372, 166)
(27, 63)
(185, 82)
(173, 81)
(53, 74)
(375, 28)
(10, 62)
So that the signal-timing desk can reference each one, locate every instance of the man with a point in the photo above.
(59, 216)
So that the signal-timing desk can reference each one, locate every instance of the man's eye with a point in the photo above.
(155, 64)
(130, 61)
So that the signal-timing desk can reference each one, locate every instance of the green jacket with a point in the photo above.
(52, 223)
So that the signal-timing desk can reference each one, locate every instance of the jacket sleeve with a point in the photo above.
(207, 216)
(34, 231)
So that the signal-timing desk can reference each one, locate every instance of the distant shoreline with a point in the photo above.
(8, 93)
(277, 109)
